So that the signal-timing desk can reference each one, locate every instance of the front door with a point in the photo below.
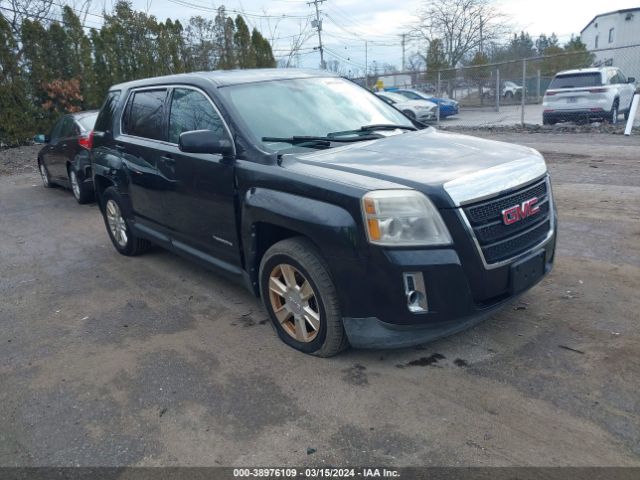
(141, 144)
(201, 207)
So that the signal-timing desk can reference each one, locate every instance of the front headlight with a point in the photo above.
(421, 107)
(402, 218)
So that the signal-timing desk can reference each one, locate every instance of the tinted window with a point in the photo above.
(55, 131)
(144, 117)
(191, 110)
(104, 122)
(68, 128)
(88, 121)
(577, 80)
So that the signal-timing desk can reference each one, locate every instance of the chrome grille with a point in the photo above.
(499, 242)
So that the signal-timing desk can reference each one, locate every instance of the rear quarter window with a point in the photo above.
(576, 80)
(104, 122)
(144, 114)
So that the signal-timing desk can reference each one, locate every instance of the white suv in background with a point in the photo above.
(588, 94)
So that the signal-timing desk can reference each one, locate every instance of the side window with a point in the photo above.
(143, 116)
(68, 128)
(191, 110)
(104, 123)
(621, 77)
(55, 131)
(412, 96)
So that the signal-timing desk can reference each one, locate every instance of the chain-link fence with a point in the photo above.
(513, 92)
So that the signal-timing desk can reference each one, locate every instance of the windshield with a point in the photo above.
(577, 80)
(396, 97)
(88, 121)
(307, 107)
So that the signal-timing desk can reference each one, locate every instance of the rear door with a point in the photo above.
(57, 161)
(141, 143)
(201, 207)
(49, 151)
(625, 90)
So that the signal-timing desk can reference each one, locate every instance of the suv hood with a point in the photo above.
(455, 169)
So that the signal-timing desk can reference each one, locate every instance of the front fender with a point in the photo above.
(330, 227)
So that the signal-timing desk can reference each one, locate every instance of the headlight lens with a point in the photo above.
(403, 218)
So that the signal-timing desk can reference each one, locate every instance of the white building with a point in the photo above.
(608, 32)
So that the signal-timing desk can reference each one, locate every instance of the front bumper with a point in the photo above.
(456, 300)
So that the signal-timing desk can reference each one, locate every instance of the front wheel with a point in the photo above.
(409, 114)
(118, 227)
(301, 299)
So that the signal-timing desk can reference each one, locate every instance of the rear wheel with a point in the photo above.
(613, 116)
(118, 227)
(301, 299)
(81, 192)
(509, 94)
(44, 174)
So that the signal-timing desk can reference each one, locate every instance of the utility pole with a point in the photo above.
(404, 44)
(366, 63)
(317, 23)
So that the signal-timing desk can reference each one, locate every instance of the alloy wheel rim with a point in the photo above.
(74, 184)
(43, 174)
(116, 223)
(294, 303)
(615, 115)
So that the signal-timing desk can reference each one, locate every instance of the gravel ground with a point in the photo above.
(108, 360)
(19, 160)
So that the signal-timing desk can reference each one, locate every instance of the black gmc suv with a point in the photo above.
(354, 224)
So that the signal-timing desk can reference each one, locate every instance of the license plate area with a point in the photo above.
(527, 272)
(572, 100)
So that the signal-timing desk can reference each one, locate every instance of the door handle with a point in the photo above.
(168, 159)
(120, 147)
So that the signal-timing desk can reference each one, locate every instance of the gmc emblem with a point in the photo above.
(516, 213)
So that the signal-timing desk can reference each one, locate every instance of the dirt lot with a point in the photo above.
(107, 360)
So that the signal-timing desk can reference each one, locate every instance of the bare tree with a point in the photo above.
(464, 26)
(15, 11)
(296, 42)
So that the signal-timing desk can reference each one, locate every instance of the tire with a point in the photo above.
(509, 94)
(118, 227)
(44, 175)
(613, 116)
(81, 192)
(312, 325)
(409, 114)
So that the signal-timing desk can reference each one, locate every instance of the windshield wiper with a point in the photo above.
(318, 141)
(373, 128)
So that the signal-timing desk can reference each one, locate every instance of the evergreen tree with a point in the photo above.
(262, 49)
(243, 46)
(436, 59)
(16, 119)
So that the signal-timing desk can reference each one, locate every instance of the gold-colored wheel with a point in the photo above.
(294, 302)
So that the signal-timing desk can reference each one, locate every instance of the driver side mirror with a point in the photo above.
(204, 141)
(41, 138)
(631, 80)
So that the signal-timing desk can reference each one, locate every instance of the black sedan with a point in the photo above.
(64, 160)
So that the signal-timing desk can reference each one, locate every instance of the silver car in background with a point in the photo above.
(421, 110)
(588, 94)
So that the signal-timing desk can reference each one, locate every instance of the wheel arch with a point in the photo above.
(269, 216)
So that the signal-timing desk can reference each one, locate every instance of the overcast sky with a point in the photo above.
(348, 23)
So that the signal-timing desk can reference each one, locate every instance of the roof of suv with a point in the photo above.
(583, 70)
(221, 78)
